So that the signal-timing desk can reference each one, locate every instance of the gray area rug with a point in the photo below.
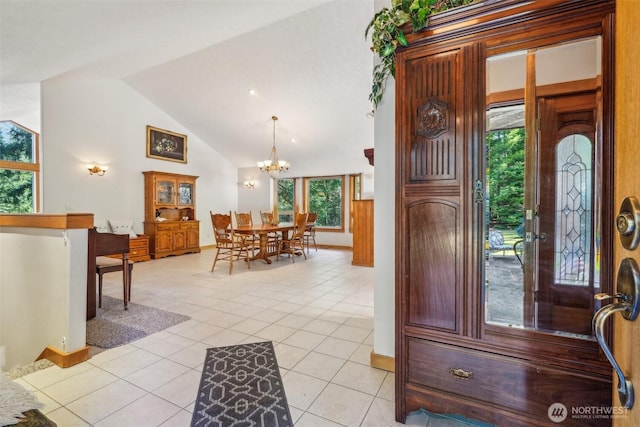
(113, 326)
(241, 386)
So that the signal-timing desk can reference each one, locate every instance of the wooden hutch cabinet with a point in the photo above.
(505, 336)
(169, 214)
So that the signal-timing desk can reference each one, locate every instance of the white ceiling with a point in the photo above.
(307, 60)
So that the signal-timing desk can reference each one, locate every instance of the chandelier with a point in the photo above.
(273, 166)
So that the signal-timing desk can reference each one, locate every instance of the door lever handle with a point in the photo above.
(628, 296)
(604, 296)
(625, 387)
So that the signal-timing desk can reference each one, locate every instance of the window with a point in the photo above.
(355, 193)
(286, 199)
(325, 196)
(574, 210)
(19, 169)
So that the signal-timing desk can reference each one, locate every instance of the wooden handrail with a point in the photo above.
(57, 221)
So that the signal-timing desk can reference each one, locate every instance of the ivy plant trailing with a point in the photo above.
(387, 34)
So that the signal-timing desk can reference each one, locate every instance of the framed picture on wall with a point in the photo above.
(166, 145)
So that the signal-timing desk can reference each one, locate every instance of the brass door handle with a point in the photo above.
(627, 290)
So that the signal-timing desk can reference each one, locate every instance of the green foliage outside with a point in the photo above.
(16, 187)
(285, 200)
(505, 175)
(325, 198)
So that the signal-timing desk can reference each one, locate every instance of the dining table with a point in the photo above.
(263, 230)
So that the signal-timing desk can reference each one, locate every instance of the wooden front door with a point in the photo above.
(566, 233)
(627, 178)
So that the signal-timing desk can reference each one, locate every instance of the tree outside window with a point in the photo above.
(286, 199)
(505, 174)
(19, 168)
(325, 196)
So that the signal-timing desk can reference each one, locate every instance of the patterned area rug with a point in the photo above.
(113, 326)
(241, 386)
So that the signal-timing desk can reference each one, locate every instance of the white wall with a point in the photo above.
(384, 225)
(104, 121)
(43, 280)
(20, 102)
(384, 220)
(258, 198)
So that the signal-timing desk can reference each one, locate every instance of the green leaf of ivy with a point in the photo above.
(402, 39)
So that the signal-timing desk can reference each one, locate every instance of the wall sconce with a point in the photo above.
(250, 184)
(97, 170)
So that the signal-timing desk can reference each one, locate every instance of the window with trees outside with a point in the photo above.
(19, 168)
(355, 193)
(325, 196)
(286, 199)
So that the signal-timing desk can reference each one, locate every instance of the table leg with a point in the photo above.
(263, 251)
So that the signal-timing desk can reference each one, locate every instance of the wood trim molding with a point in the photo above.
(368, 153)
(380, 361)
(6, 164)
(57, 221)
(65, 360)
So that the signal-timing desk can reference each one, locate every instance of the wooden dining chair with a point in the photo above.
(310, 232)
(105, 265)
(267, 218)
(246, 219)
(103, 244)
(296, 240)
(228, 244)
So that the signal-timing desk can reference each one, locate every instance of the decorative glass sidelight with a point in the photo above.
(574, 183)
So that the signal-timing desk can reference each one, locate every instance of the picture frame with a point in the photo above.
(166, 145)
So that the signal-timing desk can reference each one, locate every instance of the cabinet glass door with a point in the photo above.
(185, 193)
(165, 191)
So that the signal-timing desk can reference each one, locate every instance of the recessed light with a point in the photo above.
(252, 92)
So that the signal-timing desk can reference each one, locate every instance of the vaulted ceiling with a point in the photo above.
(307, 61)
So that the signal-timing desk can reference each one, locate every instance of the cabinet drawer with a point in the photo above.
(188, 225)
(138, 251)
(167, 226)
(501, 381)
(138, 243)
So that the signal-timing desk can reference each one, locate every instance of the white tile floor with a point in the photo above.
(318, 313)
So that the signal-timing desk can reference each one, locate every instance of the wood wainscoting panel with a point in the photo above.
(363, 233)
